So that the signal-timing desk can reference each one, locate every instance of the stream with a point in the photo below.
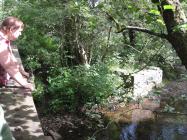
(169, 123)
(164, 128)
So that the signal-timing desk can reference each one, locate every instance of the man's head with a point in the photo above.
(12, 27)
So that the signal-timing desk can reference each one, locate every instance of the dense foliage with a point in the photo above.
(73, 48)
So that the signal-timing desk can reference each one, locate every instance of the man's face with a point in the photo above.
(14, 34)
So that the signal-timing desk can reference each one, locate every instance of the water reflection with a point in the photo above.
(129, 132)
(154, 131)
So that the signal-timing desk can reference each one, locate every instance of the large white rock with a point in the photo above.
(145, 80)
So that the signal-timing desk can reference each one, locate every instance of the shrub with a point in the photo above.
(72, 88)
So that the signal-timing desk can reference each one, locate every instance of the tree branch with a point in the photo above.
(142, 30)
(121, 29)
(108, 43)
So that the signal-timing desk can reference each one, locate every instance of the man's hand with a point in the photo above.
(29, 86)
(23, 72)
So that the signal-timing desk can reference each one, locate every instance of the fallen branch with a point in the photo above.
(170, 113)
(55, 135)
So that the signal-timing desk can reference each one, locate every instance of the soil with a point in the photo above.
(67, 126)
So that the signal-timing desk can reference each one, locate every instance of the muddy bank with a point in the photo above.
(68, 126)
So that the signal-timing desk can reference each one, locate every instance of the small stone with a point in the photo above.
(18, 128)
(70, 131)
(150, 104)
(142, 115)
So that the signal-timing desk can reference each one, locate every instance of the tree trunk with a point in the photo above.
(74, 50)
(176, 36)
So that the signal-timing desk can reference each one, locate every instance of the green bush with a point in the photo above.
(38, 94)
(72, 88)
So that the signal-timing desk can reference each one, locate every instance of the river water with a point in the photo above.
(166, 127)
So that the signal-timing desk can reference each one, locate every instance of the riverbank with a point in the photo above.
(167, 103)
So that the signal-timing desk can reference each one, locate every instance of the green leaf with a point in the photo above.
(169, 108)
(160, 21)
(76, 3)
(155, 12)
(180, 27)
(169, 7)
(183, 26)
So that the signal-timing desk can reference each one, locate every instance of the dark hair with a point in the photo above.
(12, 23)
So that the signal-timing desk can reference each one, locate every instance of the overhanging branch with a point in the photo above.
(142, 30)
(134, 28)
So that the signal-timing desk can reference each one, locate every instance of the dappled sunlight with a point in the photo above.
(21, 115)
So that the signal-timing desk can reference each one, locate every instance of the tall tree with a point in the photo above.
(176, 24)
(175, 21)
